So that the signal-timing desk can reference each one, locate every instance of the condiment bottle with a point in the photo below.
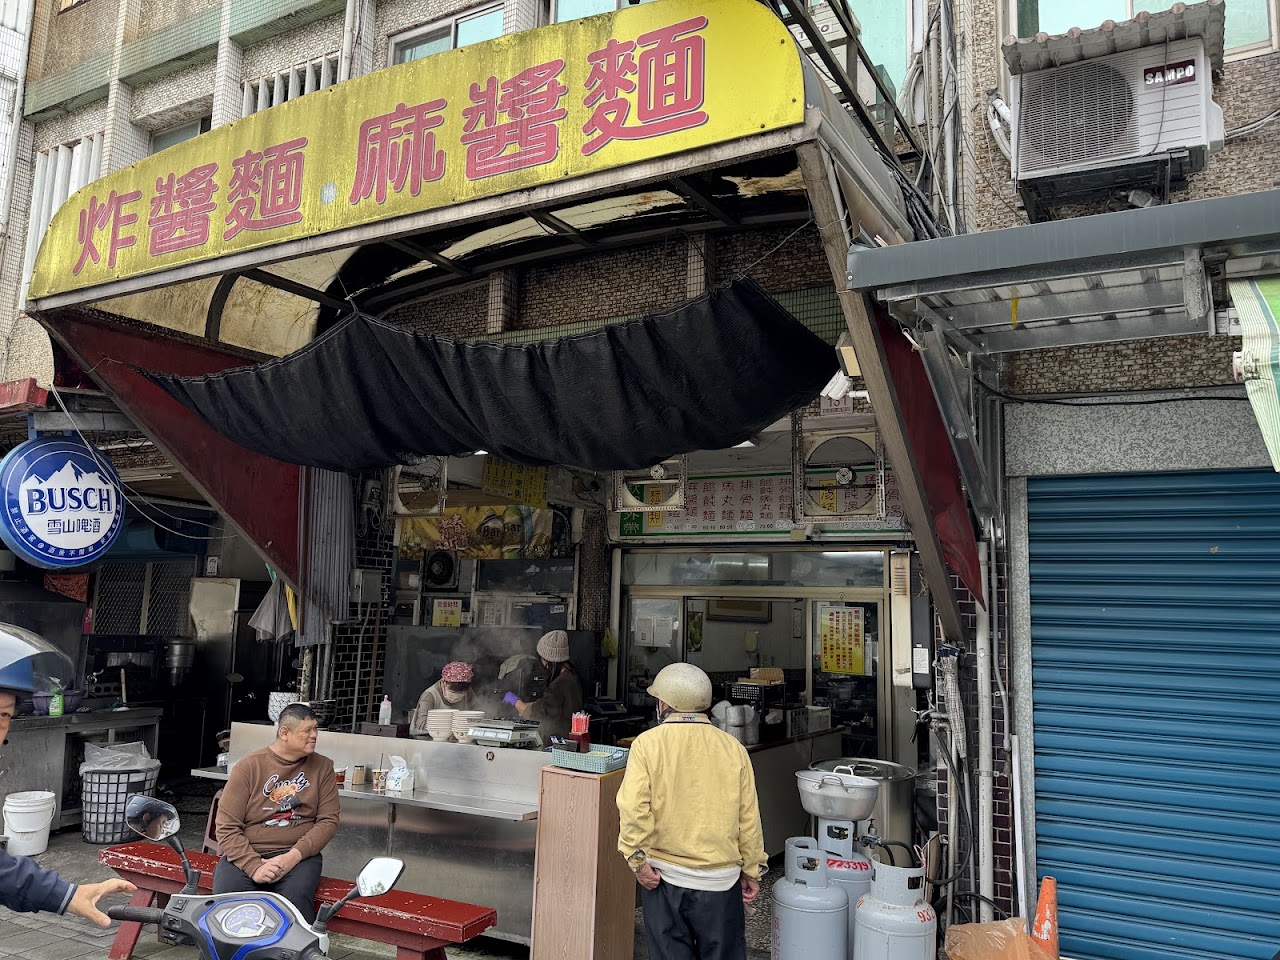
(580, 731)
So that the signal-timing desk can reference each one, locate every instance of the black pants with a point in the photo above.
(682, 924)
(298, 886)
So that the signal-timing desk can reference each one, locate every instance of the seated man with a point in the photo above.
(278, 810)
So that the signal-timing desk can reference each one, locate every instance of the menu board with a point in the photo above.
(519, 484)
(842, 642)
(753, 506)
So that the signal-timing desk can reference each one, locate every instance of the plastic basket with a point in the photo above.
(103, 794)
(601, 759)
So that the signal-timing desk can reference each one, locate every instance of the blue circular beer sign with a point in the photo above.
(63, 505)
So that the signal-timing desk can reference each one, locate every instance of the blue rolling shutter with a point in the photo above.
(1155, 633)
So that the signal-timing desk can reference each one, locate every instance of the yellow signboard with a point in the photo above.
(841, 639)
(517, 112)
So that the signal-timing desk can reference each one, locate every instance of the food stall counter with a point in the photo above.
(430, 799)
(467, 832)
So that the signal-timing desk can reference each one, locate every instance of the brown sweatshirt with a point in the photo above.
(271, 805)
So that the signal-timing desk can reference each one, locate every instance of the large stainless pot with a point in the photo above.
(893, 812)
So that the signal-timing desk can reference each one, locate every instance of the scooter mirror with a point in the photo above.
(151, 818)
(378, 876)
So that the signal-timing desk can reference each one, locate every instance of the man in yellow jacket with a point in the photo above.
(690, 825)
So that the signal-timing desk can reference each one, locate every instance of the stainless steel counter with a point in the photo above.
(430, 800)
(466, 833)
(45, 753)
(469, 829)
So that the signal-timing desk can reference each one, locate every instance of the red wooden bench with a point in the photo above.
(418, 926)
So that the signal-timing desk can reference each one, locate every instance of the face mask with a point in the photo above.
(454, 696)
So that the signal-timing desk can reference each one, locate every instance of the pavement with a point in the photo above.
(47, 937)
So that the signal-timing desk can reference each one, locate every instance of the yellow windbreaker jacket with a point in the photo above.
(689, 798)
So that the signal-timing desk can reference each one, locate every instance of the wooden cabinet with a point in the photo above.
(584, 895)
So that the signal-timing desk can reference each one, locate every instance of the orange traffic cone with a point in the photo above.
(1045, 929)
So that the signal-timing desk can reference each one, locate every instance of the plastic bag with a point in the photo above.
(117, 756)
(1001, 940)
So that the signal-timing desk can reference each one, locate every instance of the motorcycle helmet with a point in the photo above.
(24, 654)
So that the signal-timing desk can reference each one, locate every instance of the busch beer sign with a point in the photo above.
(63, 505)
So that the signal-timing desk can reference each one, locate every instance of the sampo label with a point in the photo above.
(1184, 71)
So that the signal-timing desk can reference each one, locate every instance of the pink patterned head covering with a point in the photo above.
(457, 672)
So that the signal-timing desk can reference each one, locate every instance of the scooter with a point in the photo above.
(243, 926)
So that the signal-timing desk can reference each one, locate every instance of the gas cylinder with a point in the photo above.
(895, 922)
(810, 913)
(853, 875)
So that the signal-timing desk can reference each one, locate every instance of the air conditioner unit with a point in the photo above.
(1115, 120)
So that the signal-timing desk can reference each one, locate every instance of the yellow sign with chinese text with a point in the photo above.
(517, 112)
(842, 643)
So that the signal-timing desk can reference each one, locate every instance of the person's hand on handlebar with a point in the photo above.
(84, 902)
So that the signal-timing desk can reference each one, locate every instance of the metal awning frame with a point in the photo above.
(1140, 274)
(1131, 275)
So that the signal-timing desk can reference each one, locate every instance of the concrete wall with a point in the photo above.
(72, 36)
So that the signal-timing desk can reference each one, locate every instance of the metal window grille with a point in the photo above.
(169, 597)
(60, 172)
(117, 605)
(289, 84)
(151, 599)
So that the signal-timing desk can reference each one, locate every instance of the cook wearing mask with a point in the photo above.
(451, 692)
(554, 712)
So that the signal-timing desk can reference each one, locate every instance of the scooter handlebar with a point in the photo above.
(127, 914)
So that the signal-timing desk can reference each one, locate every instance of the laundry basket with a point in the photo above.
(103, 794)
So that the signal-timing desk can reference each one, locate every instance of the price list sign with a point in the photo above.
(842, 642)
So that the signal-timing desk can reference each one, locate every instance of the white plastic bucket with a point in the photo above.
(27, 818)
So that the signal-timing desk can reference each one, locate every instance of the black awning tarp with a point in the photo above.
(704, 376)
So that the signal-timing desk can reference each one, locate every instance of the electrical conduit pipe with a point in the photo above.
(986, 772)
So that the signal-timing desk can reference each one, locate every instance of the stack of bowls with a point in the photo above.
(440, 724)
(463, 721)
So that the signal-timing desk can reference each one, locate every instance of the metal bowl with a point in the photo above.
(836, 796)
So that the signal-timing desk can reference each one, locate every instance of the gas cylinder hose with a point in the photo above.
(886, 844)
(964, 808)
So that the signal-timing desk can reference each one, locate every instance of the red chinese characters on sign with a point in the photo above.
(528, 136)
(181, 208)
(668, 79)
(266, 188)
(398, 149)
(102, 215)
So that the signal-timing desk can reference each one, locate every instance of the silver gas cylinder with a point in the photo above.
(810, 913)
(895, 922)
(852, 873)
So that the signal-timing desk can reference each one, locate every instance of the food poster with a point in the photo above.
(490, 533)
(842, 640)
